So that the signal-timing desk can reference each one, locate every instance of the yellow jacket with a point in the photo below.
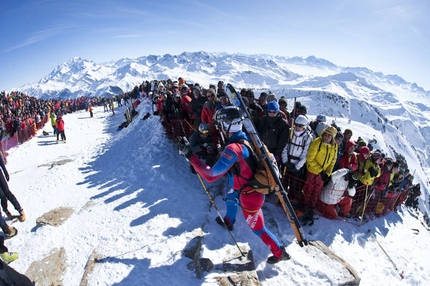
(321, 156)
(366, 179)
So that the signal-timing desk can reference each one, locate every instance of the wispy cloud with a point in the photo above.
(39, 36)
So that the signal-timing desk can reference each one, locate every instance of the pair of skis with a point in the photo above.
(262, 153)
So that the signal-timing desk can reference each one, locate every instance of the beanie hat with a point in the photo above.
(376, 155)
(282, 100)
(273, 106)
(361, 143)
(339, 135)
(364, 150)
(271, 97)
(303, 109)
(211, 90)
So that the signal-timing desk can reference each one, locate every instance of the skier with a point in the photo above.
(233, 162)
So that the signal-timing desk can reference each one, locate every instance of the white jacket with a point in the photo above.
(333, 192)
(297, 149)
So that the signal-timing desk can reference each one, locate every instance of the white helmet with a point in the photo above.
(301, 120)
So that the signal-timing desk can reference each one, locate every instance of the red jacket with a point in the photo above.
(348, 160)
(383, 182)
(60, 124)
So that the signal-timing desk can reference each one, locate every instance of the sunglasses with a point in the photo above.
(210, 95)
(204, 131)
(299, 125)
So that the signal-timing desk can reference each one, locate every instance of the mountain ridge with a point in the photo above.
(367, 96)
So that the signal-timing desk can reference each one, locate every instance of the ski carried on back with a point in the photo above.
(262, 152)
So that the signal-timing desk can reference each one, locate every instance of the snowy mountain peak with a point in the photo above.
(366, 96)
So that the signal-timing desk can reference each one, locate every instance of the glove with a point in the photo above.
(7, 176)
(325, 178)
(373, 173)
(184, 148)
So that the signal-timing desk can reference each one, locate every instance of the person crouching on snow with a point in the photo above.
(333, 194)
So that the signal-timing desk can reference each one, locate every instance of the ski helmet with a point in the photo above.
(204, 128)
(229, 118)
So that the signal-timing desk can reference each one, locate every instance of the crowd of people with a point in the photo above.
(320, 164)
(309, 152)
(21, 116)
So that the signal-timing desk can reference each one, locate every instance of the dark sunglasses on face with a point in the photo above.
(299, 125)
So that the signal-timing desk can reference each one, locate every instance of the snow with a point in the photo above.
(137, 204)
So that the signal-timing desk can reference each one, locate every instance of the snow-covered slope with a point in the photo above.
(137, 205)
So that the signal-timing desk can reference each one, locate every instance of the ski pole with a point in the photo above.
(380, 246)
(365, 203)
(219, 214)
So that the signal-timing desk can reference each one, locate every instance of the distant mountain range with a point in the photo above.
(384, 102)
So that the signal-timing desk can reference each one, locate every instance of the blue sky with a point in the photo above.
(392, 37)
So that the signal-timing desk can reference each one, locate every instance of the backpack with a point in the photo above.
(260, 181)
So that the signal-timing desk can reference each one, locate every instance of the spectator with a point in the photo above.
(318, 119)
(333, 195)
(60, 127)
(6, 195)
(295, 151)
(347, 134)
(283, 107)
(320, 162)
(349, 158)
(262, 101)
(255, 110)
(202, 144)
(273, 130)
(224, 100)
(371, 169)
(197, 102)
